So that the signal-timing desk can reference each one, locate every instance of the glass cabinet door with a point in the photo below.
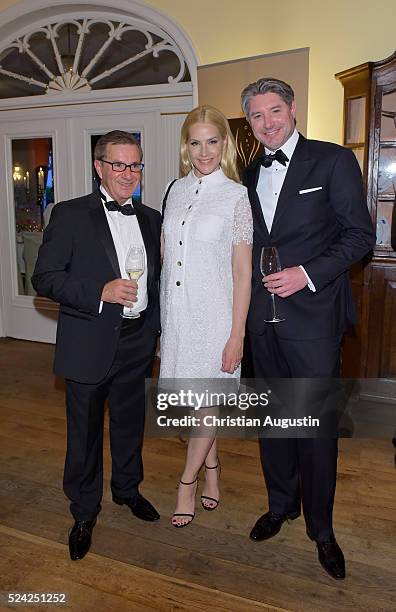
(386, 182)
(355, 128)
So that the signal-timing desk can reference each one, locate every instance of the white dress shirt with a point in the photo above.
(270, 183)
(271, 180)
(125, 232)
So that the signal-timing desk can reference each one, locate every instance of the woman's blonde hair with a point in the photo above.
(209, 114)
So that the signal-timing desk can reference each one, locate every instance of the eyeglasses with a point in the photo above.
(121, 167)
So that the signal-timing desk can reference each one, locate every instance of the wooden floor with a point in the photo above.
(211, 565)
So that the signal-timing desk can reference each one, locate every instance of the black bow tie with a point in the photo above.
(126, 209)
(279, 156)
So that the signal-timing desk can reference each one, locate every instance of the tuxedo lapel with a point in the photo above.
(103, 231)
(253, 174)
(99, 220)
(299, 167)
(145, 229)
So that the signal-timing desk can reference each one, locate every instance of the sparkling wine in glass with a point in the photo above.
(269, 264)
(134, 267)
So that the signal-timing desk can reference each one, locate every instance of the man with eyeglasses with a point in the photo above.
(103, 353)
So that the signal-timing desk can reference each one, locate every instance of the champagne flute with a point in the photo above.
(269, 264)
(134, 267)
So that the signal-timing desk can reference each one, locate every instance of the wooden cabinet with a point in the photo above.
(370, 131)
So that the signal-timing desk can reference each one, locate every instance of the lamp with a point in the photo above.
(68, 58)
(17, 174)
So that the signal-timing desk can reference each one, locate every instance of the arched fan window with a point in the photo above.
(82, 53)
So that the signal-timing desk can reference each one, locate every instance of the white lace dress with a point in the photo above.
(204, 219)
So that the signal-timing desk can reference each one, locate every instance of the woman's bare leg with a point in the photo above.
(211, 487)
(201, 448)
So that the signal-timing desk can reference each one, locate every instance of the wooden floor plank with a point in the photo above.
(196, 554)
(125, 587)
(211, 565)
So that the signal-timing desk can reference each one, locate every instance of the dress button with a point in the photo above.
(183, 222)
(179, 263)
(181, 242)
(196, 193)
(178, 283)
(190, 207)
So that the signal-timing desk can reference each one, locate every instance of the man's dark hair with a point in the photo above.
(115, 137)
(263, 86)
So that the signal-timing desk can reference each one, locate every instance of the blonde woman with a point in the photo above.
(205, 283)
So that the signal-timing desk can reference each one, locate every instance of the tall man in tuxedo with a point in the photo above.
(101, 353)
(307, 200)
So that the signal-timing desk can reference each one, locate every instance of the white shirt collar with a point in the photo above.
(110, 199)
(214, 178)
(289, 146)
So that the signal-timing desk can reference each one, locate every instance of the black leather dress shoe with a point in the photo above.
(80, 539)
(331, 558)
(270, 524)
(140, 507)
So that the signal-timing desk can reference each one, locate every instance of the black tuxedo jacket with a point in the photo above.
(325, 230)
(75, 261)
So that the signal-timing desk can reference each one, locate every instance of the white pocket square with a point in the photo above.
(309, 190)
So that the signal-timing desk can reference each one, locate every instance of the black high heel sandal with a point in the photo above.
(188, 514)
(213, 499)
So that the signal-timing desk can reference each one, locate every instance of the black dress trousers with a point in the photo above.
(124, 388)
(299, 469)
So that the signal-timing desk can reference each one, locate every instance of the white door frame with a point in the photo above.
(171, 101)
(70, 126)
(23, 315)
